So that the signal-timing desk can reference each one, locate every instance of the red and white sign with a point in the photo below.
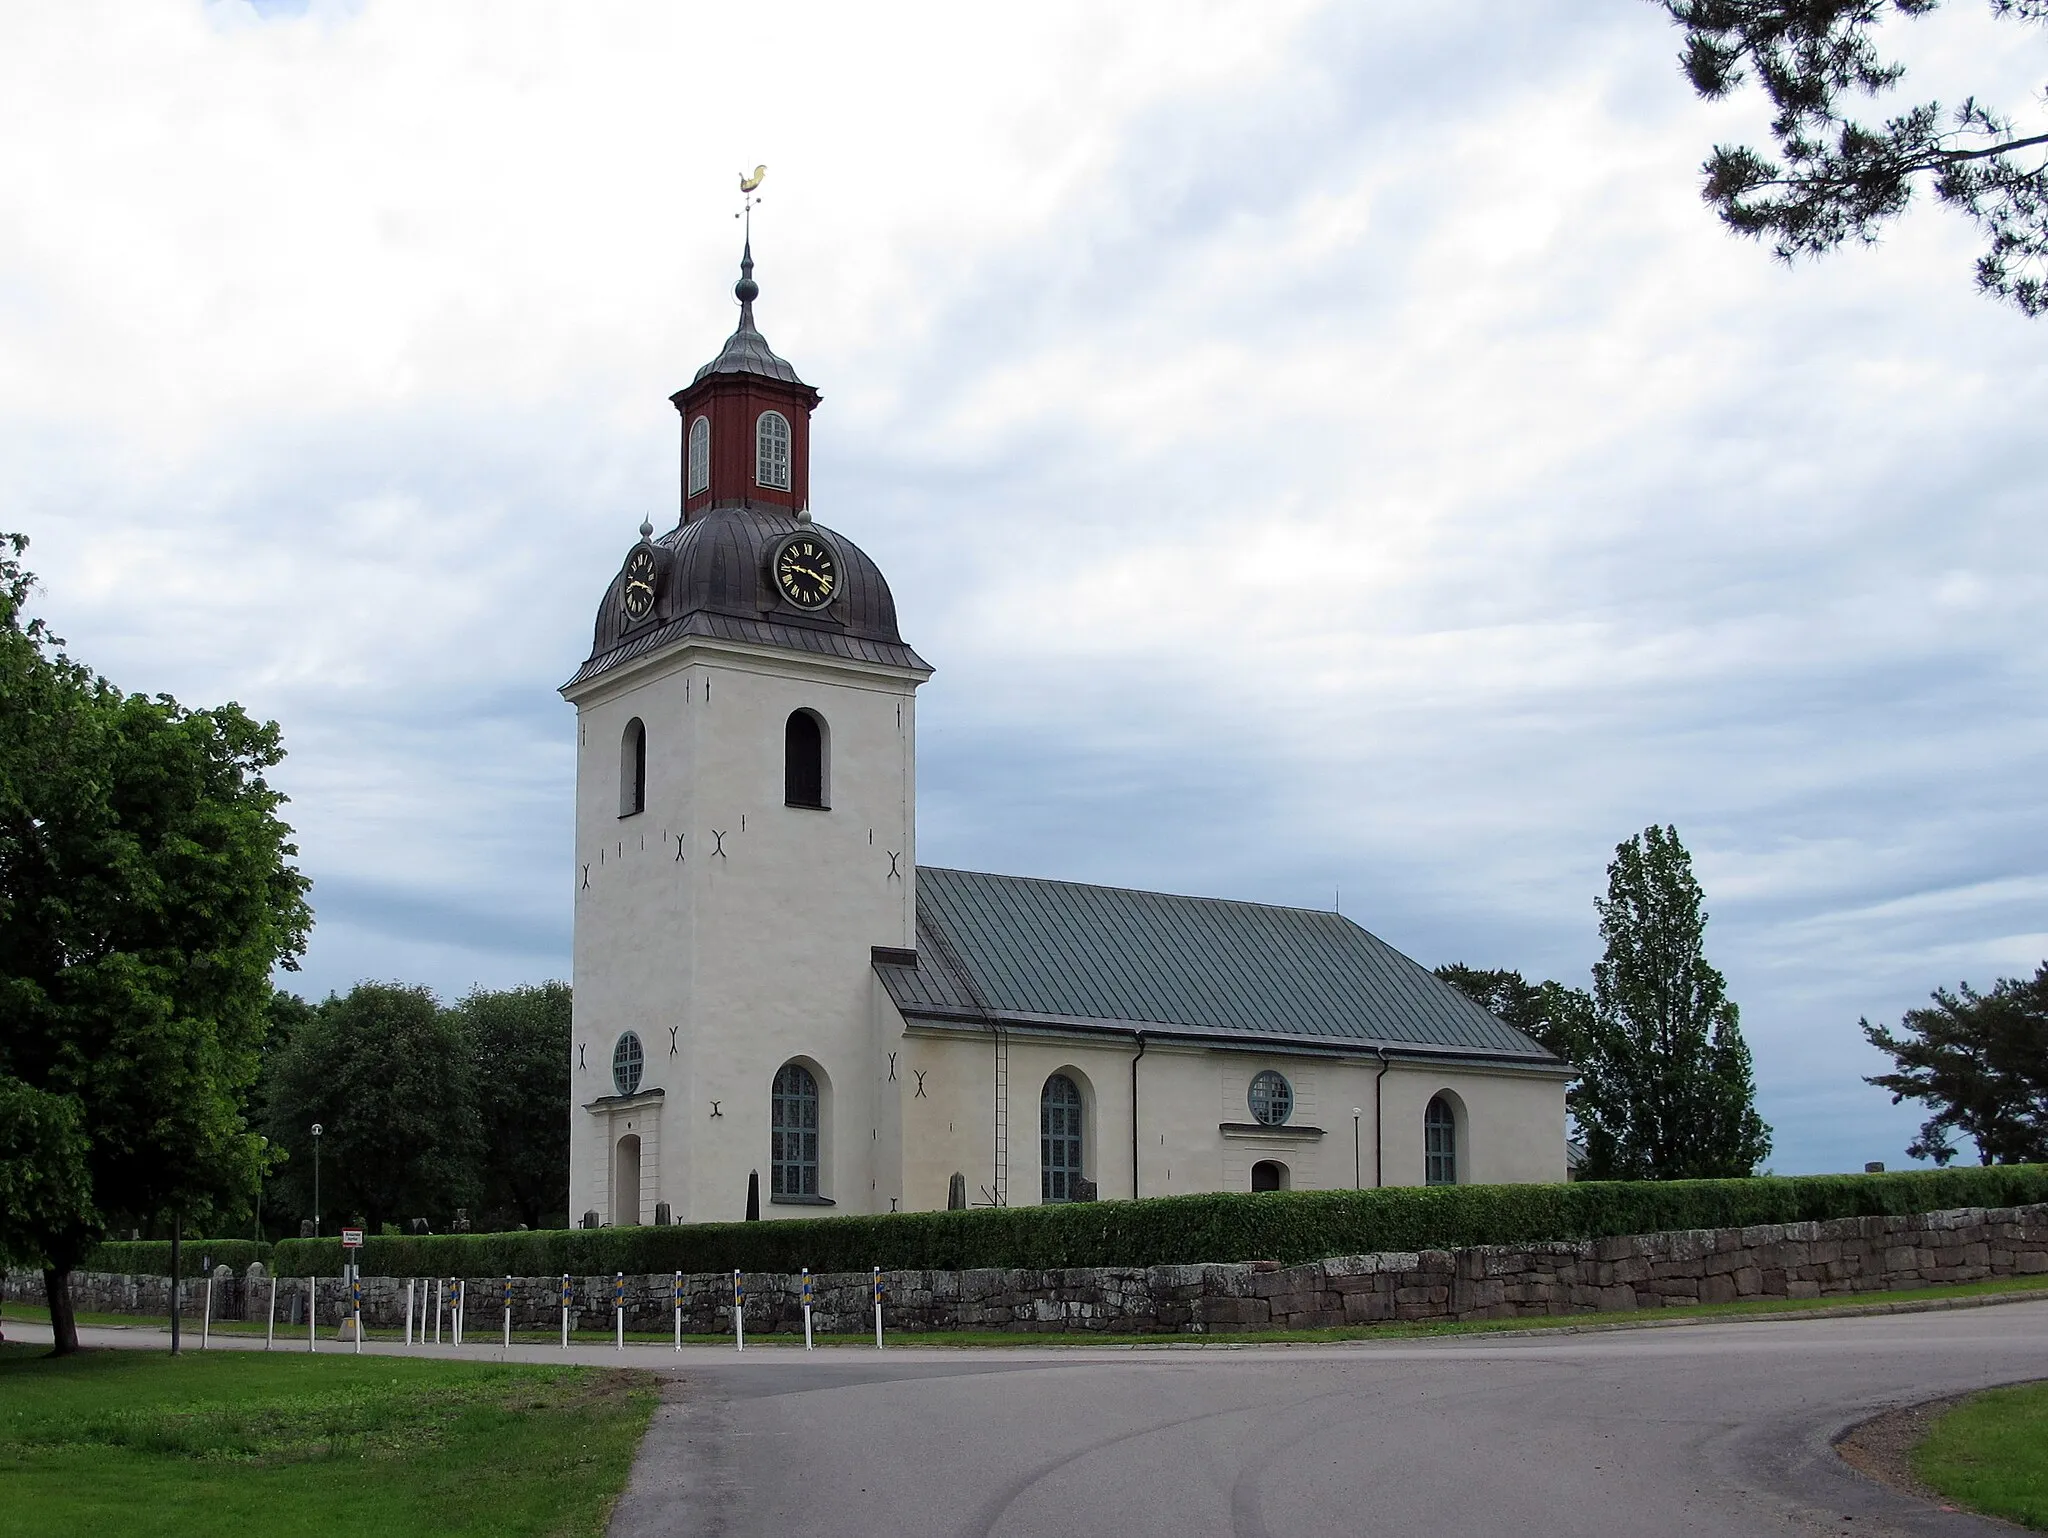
(351, 1238)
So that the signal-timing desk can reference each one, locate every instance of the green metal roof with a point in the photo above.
(1020, 951)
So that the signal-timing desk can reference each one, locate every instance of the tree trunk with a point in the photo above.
(63, 1322)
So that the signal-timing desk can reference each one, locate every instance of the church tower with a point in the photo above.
(745, 833)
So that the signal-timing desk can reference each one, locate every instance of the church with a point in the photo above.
(780, 1013)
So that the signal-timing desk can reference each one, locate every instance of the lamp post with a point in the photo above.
(261, 1160)
(316, 1180)
(1357, 1169)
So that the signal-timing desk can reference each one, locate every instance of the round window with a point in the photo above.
(1272, 1098)
(627, 1061)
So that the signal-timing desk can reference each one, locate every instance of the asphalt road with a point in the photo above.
(1719, 1430)
(1716, 1430)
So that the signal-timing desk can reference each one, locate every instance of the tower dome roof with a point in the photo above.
(712, 579)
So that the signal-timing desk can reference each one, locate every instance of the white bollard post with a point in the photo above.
(878, 1308)
(312, 1313)
(508, 1313)
(739, 1313)
(206, 1319)
(461, 1306)
(438, 1284)
(679, 1310)
(565, 1310)
(355, 1292)
(807, 1308)
(619, 1307)
(270, 1328)
(411, 1283)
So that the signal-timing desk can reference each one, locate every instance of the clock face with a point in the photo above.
(639, 594)
(807, 571)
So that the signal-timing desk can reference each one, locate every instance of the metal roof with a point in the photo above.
(712, 580)
(1058, 954)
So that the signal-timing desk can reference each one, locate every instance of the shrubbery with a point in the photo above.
(1287, 1226)
(152, 1257)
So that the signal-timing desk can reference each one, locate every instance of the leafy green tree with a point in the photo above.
(1838, 178)
(387, 1074)
(1980, 1062)
(519, 1043)
(46, 1201)
(1666, 1091)
(146, 896)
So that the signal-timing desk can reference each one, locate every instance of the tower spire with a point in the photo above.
(747, 290)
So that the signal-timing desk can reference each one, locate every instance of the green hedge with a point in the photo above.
(152, 1257)
(1287, 1226)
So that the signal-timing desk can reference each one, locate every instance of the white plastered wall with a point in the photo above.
(1197, 1132)
(733, 932)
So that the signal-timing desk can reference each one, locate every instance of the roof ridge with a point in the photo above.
(1135, 891)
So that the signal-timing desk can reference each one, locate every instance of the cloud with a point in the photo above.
(1321, 447)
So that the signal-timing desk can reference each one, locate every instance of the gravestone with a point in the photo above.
(956, 1193)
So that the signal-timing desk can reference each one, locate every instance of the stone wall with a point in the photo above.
(1795, 1260)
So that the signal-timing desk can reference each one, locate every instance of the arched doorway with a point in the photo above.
(1269, 1175)
(626, 1181)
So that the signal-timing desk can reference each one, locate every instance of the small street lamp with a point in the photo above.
(262, 1160)
(316, 1180)
(1357, 1169)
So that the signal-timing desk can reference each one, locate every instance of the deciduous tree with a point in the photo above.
(146, 896)
(1666, 1090)
(519, 1042)
(390, 1078)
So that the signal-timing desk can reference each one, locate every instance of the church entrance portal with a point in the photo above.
(626, 1181)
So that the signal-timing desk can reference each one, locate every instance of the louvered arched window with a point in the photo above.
(633, 769)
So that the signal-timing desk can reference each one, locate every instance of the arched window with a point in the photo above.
(1271, 1099)
(793, 1135)
(1059, 1139)
(628, 1061)
(1269, 1175)
(771, 450)
(633, 769)
(803, 760)
(1440, 1143)
(700, 456)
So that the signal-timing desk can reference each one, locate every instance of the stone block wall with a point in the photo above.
(1794, 1260)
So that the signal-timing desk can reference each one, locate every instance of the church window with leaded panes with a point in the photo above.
(1059, 1139)
(629, 1060)
(1271, 1099)
(771, 450)
(1440, 1143)
(700, 455)
(793, 1133)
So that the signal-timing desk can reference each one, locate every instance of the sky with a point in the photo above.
(1328, 451)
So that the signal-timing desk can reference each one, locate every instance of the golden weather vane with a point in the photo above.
(750, 194)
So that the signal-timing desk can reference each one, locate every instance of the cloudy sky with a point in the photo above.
(1324, 448)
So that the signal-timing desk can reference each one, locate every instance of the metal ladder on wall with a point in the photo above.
(1002, 1191)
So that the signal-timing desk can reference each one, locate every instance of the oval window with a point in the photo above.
(1271, 1098)
(627, 1062)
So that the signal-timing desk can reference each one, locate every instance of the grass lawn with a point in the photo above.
(481, 1336)
(120, 1442)
(1990, 1453)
